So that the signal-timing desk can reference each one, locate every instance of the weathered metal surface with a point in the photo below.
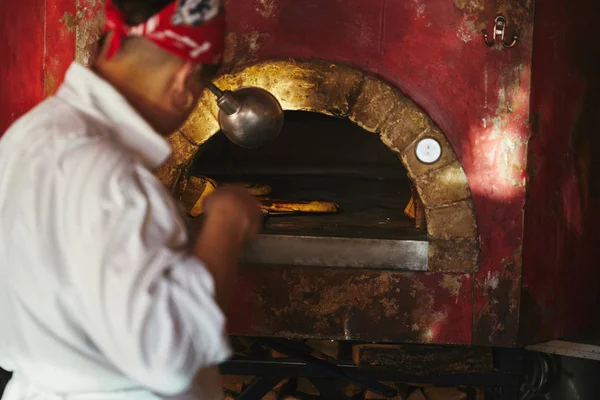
(348, 304)
(444, 186)
(375, 101)
(561, 243)
(183, 151)
(424, 359)
(452, 222)
(286, 250)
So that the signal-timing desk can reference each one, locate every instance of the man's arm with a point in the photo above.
(145, 302)
(232, 217)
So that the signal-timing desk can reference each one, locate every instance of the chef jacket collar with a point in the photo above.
(94, 96)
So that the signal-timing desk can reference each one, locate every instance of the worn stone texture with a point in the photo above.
(414, 167)
(183, 151)
(443, 186)
(202, 123)
(406, 124)
(451, 222)
(315, 86)
(456, 255)
(375, 103)
(309, 86)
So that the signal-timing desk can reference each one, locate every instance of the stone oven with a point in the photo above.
(502, 249)
(349, 160)
(360, 152)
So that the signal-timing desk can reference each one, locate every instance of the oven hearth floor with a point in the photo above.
(370, 208)
(370, 231)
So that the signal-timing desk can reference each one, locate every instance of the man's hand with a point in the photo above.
(232, 218)
(235, 207)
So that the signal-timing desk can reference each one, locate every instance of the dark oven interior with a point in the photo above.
(318, 157)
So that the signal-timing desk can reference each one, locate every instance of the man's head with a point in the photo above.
(159, 76)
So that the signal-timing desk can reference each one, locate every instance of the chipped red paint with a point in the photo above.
(36, 48)
(432, 51)
(561, 246)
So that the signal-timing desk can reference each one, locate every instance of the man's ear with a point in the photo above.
(99, 50)
(183, 76)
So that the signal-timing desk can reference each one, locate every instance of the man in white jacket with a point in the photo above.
(102, 293)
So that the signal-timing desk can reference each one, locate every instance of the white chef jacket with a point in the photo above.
(99, 295)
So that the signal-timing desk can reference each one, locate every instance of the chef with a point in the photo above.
(102, 293)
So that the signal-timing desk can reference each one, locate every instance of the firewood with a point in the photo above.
(441, 393)
(417, 395)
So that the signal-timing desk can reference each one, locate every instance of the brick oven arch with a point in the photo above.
(340, 91)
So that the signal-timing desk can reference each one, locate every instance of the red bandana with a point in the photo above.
(193, 30)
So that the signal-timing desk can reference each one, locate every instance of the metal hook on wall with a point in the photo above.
(499, 30)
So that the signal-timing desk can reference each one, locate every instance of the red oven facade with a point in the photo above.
(519, 119)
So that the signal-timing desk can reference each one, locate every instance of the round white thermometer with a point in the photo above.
(428, 150)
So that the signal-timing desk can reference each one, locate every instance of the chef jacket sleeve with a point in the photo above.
(148, 304)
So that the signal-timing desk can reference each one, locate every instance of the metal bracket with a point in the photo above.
(499, 30)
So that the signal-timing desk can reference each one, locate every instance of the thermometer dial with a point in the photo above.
(428, 150)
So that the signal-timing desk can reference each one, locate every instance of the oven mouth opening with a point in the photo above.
(326, 159)
(444, 206)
